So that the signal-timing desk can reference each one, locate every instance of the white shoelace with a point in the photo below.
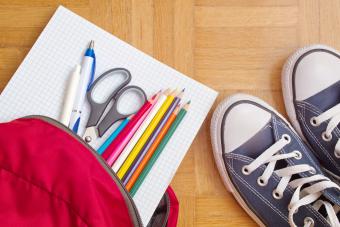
(333, 114)
(306, 196)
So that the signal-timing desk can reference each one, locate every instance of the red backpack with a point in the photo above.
(50, 177)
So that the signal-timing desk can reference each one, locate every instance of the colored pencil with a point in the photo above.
(117, 146)
(152, 138)
(120, 160)
(114, 134)
(152, 149)
(160, 148)
(133, 154)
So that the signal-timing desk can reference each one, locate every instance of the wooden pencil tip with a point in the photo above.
(186, 105)
(176, 92)
(180, 94)
(154, 96)
(177, 109)
(167, 91)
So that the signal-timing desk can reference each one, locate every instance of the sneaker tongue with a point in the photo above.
(326, 98)
(333, 195)
(258, 143)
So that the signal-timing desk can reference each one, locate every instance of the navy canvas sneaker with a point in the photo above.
(268, 168)
(311, 90)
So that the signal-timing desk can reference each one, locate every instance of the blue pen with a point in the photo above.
(88, 69)
(115, 133)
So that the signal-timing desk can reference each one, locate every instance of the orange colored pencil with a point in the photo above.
(152, 149)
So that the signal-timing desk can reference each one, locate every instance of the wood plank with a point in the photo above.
(122, 19)
(25, 16)
(19, 37)
(186, 216)
(309, 20)
(245, 3)
(245, 37)
(329, 23)
(101, 14)
(251, 58)
(40, 3)
(225, 210)
(252, 79)
(245, 16)
(164, 31)
(142, 25)
(184, 36)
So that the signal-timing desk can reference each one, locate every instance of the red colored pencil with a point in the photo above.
(116, 147)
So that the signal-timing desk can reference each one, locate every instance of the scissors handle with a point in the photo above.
(97, 109)
(113, 115)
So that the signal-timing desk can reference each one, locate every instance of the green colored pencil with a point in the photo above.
(160, 148)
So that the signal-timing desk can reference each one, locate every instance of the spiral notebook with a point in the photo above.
(38, 88)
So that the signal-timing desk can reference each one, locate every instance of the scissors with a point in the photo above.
(98, 124)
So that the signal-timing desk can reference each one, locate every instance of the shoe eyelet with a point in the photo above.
(337, 154)
(298, 155)
(261, 181)
(313, 122)
(277, 195)
(286, 137)
(245, 170)
(312, 171)
(309, 220)
(326, 137)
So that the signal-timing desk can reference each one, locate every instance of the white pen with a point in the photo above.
(86, 79)
(70, 96)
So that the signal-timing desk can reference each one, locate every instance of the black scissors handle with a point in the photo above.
(97, 109)
(113, 115)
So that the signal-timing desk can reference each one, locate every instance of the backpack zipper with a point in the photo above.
(126, 194)
(167, 210)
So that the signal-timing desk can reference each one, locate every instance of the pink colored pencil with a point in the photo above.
(117, 146)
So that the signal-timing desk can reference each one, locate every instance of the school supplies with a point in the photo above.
(160, 148)
(115, 133)
(70, 96)
(127, 163)
(37, 90)
(152, 149)
(122, 157)
(95, 127)
(115, 148)
(86, 77)
(152, 138)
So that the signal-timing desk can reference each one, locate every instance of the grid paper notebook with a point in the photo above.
(38, 88)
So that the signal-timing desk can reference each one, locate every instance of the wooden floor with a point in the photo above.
(229, 45)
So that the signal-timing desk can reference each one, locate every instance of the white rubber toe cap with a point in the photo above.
(243, 121)
(315, 72)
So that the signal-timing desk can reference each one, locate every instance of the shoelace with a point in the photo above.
(333, 114)
(308, 195)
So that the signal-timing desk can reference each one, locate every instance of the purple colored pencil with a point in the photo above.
(151, 140)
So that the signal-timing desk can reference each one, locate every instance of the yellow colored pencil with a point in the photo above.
(141, 142)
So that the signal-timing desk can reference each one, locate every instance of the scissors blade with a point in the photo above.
(90, 134)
